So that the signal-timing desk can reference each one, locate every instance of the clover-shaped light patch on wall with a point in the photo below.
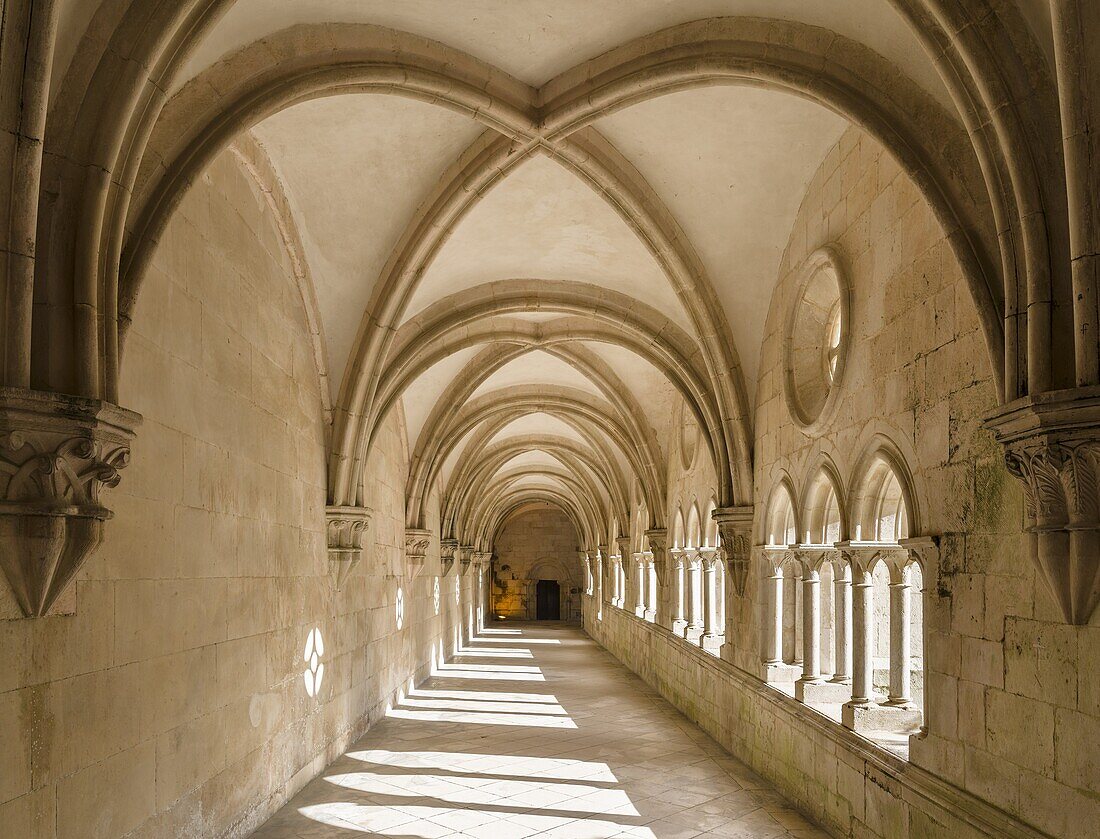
(315, 668)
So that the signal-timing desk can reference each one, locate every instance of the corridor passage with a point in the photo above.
(534, 730)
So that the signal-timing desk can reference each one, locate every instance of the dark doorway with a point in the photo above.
(548, 600)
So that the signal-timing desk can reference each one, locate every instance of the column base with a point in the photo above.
(711, 643)
(820, 691)
(679, 628)
(692, 635)
(870, 716)
(650, 615)
(779, 672)
(639, 611)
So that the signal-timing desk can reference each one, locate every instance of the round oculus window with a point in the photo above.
(816, 341)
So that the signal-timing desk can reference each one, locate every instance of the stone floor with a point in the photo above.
(534, 730)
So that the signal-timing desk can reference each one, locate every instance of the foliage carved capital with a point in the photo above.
(735, 537)
(465, 555)
(1052, 446)
(417, 541)
(448, 548)
(57, 453)
(345, 529)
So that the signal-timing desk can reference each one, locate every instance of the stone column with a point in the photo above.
(694, 629)
(623, 544)
(862, 639)
(772, 628)
(925, 551)
(811, 624)
(677, 570)
(484, 561)
(710, 639)
(900, 650)
(720, 586)
(650, 613)
(811, 686)
(606, 566)
(640, 586)
(842, 601)
(798, 645)
(862, 712)
(1076, 29)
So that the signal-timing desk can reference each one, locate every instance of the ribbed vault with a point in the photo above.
(538, 257)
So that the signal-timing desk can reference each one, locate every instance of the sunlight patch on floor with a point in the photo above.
(522, 766)
(475, 718)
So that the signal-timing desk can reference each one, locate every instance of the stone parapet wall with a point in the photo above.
(843, 782)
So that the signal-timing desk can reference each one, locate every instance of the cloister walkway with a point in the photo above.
(534, 730)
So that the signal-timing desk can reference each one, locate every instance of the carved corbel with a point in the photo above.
(345, 528)
(1052, 446)
(483, 558)
(56, 453)
(735, 534)
(417, 541)
(623, 543)
(658, 542)
(447, 550)
(465, 555)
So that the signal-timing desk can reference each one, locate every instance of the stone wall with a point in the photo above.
(538, 544)
(173, 700)
(1011, 692)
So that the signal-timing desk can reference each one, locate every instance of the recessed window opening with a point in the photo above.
(816, 341)
(782, 529)
(833, 332)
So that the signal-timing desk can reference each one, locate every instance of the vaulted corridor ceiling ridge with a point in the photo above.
(341, 340)
(329, 60)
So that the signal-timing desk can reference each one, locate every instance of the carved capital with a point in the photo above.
(56, 453)
(1052, 446)
(447, 550)
(925, 551)
(735, 535)
(345, 528)
(708, 558)
(464, 555)
(658, 543)
(623, 543)
(417, 541)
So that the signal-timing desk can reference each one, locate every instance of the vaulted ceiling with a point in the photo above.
(536, 275)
